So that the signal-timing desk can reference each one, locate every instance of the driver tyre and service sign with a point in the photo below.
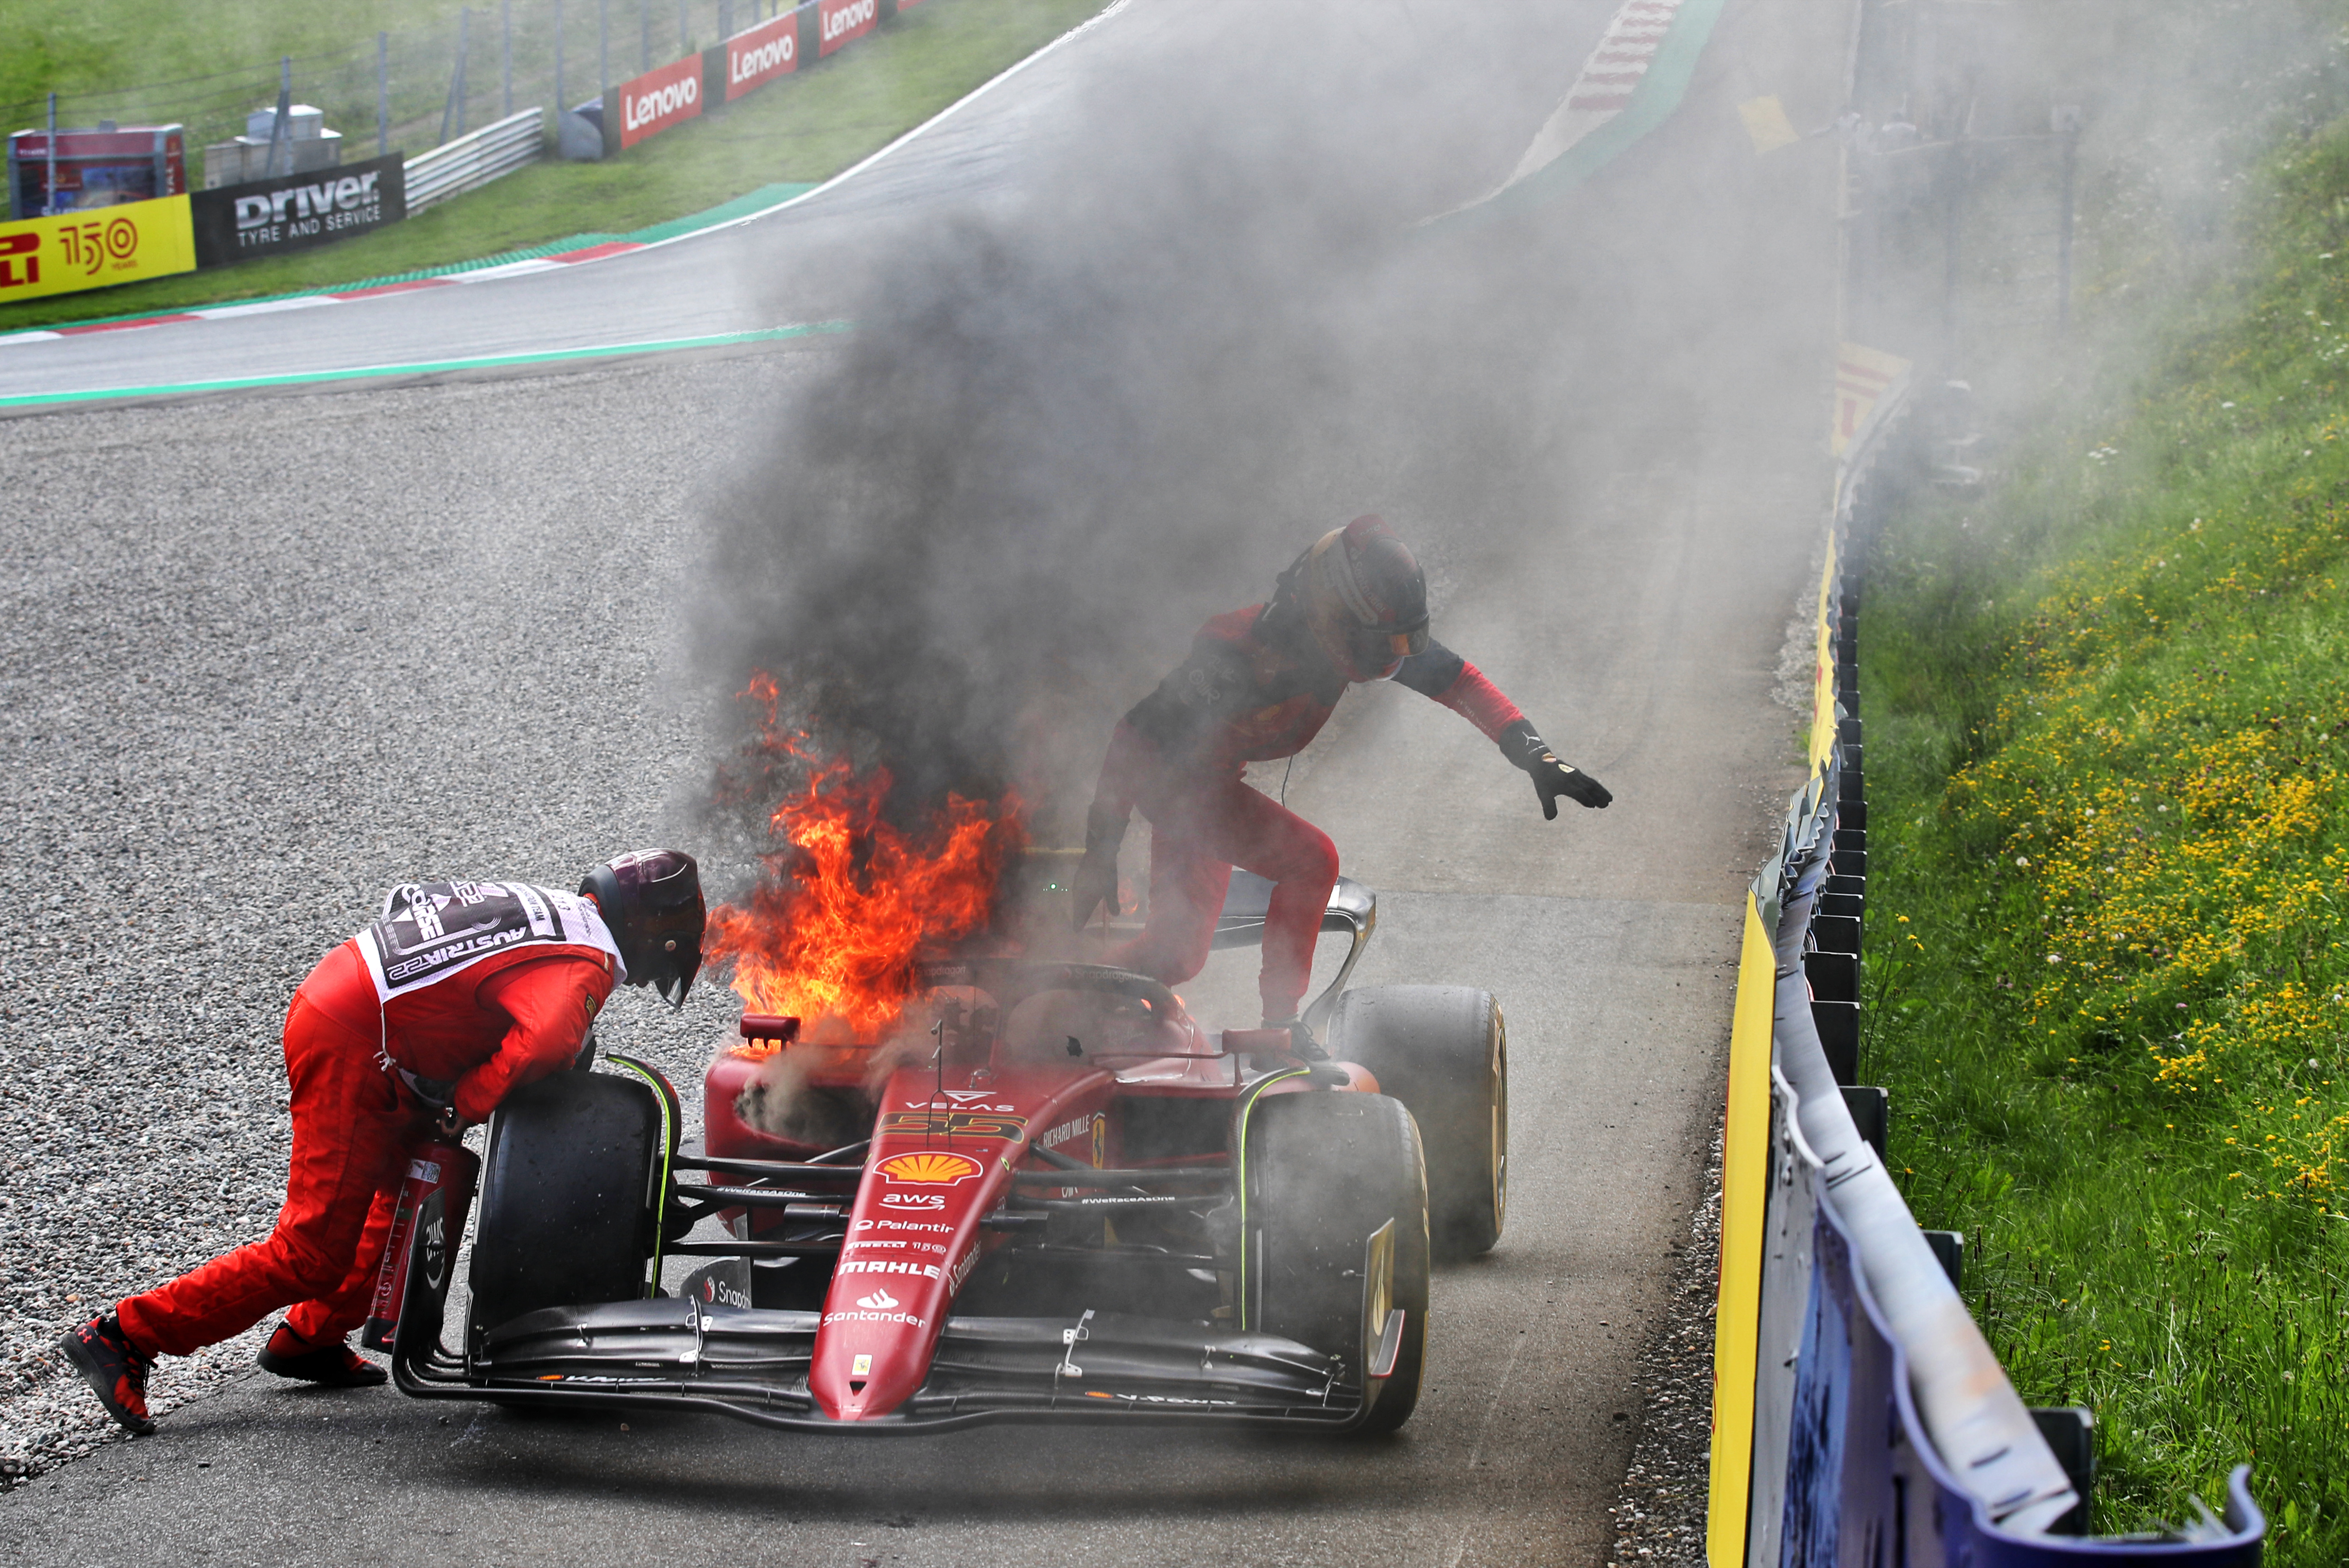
(296, 212)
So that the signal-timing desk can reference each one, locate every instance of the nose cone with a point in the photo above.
(873, 1349)
(910, 1239)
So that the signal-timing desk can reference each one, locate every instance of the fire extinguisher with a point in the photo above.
(436, 1192)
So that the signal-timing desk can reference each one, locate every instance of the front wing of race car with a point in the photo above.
(752, 1363)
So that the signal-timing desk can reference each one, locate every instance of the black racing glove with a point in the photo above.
(1094, 883)
(1552, 778)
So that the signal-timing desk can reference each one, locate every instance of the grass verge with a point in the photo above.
(804, 128)
(71, 46)
(2109, 748)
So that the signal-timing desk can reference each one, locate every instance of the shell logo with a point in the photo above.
(929, 1169)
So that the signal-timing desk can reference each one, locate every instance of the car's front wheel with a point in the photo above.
(567, 1214)
(1334, 1238)
(1443, 1050)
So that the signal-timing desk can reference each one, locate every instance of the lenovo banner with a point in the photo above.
(760, 55)
(94, 247)
(296, 212)
(839, 22)
(655, 101)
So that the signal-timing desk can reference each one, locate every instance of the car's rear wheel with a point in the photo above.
(1335, 1238)
(1443, 1051)
(568, 1190)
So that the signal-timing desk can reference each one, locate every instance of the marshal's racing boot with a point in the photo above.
(334, 1365)
(116, 1368)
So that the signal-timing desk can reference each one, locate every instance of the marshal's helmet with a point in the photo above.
(651, 901)
(1364, 598)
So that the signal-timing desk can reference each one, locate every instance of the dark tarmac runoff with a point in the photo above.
(1642, 623)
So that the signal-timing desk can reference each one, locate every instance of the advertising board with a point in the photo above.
(296, 212)
(841, 22)
(657, 100)
(103, 167)
(759, 55)
(121, 243)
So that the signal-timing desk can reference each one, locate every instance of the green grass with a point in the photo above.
(2108, 763)
(71, 46)
(804, 128)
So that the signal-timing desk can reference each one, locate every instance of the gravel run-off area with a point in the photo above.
(1660, 1515)
(231, 716)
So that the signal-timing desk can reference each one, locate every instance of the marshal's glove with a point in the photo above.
(1552, 778)
(1094, 883)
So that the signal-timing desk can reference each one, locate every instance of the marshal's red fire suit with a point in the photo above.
(1244, 696)
(494, 1023)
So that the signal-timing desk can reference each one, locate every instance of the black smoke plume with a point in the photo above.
(1079, 415)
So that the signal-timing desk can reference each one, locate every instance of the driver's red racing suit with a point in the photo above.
(1242, 697)
(462, 991)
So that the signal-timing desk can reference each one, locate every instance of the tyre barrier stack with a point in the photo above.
(1859, 1416)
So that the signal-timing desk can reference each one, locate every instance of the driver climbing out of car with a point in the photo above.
(1258, 685)
(459, 993)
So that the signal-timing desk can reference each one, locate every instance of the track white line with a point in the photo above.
(540, 264)
(926, 126)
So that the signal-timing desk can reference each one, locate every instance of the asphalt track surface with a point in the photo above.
(1644, 621)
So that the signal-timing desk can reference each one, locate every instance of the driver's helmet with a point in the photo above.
(651, 901)
(1365, 599)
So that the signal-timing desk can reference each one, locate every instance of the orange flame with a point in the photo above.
(839, 922)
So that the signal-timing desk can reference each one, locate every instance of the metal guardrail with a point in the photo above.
(474, 160)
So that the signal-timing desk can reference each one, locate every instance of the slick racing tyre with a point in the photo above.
(1334, 1237)
(567, 1194)
(1443, 1050)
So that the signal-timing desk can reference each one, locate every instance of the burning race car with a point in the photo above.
(1050, 1194)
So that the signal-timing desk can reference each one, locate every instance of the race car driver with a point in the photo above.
(1258, 685)
(459, 993)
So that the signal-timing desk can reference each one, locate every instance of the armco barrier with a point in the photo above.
(474, 160)
(1861, 1417)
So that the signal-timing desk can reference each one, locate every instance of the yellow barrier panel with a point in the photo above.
(1744, 1188)
(1822, 698)
(1863, 375)
(96, 249)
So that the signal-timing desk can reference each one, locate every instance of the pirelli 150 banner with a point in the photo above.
(95, 248)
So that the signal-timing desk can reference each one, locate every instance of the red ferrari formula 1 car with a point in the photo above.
(1053, 1194)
